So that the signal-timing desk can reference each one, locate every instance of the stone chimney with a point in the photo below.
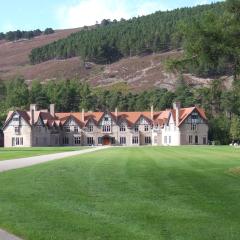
(152, 113)
(52, 109)
(33, 109)
(177, 106)
(116, 113)
(83, 115)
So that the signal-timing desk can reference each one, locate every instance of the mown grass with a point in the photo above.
(13, 153)
(126, 193)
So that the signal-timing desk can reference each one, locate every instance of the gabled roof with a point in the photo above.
(59, 119)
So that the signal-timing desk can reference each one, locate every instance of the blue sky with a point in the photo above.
(59, 14)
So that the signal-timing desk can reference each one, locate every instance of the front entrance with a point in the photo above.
(106, 141)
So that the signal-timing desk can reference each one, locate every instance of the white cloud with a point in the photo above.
(87, 12)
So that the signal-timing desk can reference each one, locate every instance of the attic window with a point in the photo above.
(15, 119)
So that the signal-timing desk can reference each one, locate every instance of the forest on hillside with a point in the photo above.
(112, 40)
(16, 35)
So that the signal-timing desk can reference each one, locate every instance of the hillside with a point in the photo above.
(14, 55)
(138, 68)
(138, 73)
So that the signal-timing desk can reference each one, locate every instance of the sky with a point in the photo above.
(62, 14)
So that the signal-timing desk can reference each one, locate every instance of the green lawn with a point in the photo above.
(12, 153)
(127, 193)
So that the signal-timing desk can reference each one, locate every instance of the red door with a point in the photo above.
(106, 141)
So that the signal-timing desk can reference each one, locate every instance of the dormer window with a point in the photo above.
(136, 128)
(146, 128)
(15, 119)
(122, 128)
(76, 129)
(90, 128)
(17, 130)
(67, 129)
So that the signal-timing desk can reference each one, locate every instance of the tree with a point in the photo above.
(235, 128)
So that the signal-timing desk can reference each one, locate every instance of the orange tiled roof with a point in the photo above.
(160, 118)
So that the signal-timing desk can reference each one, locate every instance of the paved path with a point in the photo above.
(6, 236)
(25, 162)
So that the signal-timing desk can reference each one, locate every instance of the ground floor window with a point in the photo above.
(100, 140)
(204, 141)
(155, 139)
(190, 139)
(90, 141)
(165, 139)
(122, 140)
(18, 141)
(113, 140)
(135, 140)
(196, 139)
(148, 140)
(65, 141)
(77, 140)
(169, 139)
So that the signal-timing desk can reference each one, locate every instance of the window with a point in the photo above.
(90, 141)
(196, 139)
(77, 140)
(106, 119)
(146, 128)
(90, 128)
(122, 128)
(76, 129)
(135, 140)
(123, 140)
(136, 128)
(155, 139)
(193, 127)
(17, 141)
(67, 129)
(106, 128)
(99, 140)
(204, 141)
(165, 139)
(13, 141)
(190, 139)
(113, 140)
(65, 141)
(148, 140)
(15, 119)
(169, 139)
(17, 130)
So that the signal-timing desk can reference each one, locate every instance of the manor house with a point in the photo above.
(171, 127)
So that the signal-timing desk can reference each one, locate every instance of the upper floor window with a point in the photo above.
(122, 128)
(67, 129)
(106, 128)
(193, 127)
(17, 130)
(146, 128)
(90, 128)
(76, 129)
(136, 128)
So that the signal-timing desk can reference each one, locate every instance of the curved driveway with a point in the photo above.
(25, 162)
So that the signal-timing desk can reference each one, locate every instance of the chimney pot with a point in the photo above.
(52, 109)
(83, 113)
